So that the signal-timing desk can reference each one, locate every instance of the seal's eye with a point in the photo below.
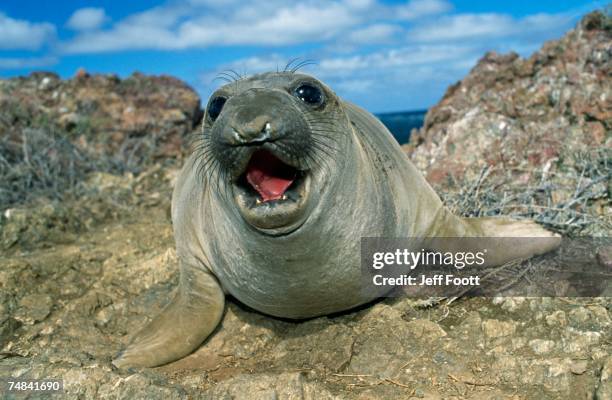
(309, 94)
(215, 107)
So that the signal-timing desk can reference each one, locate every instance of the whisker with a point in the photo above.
(303, 64)
(222, 78)
(288, 65)
(227, 76)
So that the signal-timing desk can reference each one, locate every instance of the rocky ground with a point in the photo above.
(82, 268)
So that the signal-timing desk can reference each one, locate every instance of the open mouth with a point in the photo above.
(268, 180)
(272, 195)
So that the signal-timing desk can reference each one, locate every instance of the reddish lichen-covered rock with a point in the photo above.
(103, 112)
(520, 114)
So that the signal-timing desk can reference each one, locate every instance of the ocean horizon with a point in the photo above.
(401, 123)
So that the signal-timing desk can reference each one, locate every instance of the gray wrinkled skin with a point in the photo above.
(361, 186)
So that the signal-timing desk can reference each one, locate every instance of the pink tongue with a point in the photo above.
(269, 175)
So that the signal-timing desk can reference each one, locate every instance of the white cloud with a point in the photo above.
(180, 26)
(287, 25)
(20, 34)
(485, 26)
(34, 62)
(463, 26)
(377, 33)
(370, 66)
(407, 77)
(400, 57)
(402, 77)
(252, 65)
(214, 3)
(248, 66)
(370, 51)
(206, 23)
(183, 24)
(87, 19)
(355, 85)
(359, 4)
(421, 8)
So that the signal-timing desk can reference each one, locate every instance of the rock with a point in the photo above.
(526, 121)
(541, 346)
(161, 109)
(335, 342)
(81, 73)
(425, 329)
(494, 328)
(604, 390)
(33, 308)
(579, 316)
(604, 256)
(579, 367)
(511, 304)
(557, 318)
(373, 356)
(291, 386)
(577, 341)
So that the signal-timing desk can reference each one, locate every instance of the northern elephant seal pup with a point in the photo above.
(271, 206)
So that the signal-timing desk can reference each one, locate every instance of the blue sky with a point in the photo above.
(383, 55)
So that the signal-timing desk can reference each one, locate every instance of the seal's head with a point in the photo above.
(270, 142)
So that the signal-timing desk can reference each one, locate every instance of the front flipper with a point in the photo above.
(182, 326)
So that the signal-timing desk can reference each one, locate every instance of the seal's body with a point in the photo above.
(273, 203)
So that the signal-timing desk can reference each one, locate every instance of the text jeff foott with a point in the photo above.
(425, 280)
